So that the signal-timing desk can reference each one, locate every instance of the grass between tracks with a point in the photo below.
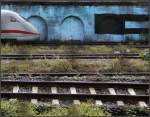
(18, 108)
(27, 49)
(63, 65)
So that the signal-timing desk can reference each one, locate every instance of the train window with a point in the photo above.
(109, 24)
(12, 19)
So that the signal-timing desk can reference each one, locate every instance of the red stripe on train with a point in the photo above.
(18, 31)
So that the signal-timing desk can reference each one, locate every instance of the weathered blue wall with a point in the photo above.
(62, 22)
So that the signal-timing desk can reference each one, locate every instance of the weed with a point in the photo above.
(28, 49)
(62, 65)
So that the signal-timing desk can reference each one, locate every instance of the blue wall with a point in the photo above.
(76, 22)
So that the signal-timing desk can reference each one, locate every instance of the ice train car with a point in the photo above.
(15, 27)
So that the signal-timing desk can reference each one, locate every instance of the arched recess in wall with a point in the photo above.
(41, 26)
(72, 28)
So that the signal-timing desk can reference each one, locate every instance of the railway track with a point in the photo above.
(73, 74)
(100, 92)
(70, 56)
(57, 43)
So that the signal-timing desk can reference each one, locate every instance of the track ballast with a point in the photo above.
(125, 92)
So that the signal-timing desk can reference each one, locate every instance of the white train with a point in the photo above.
(15, 27)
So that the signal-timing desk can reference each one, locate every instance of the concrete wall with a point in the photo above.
(74, 22)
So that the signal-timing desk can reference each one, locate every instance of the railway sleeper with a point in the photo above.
(96, 102)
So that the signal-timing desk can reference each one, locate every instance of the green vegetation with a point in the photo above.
(27, 49)
(86, 109)
(145, 56)
(129, 110)
(21, 49)
(63, 65)
(36, 66)
(15, 108)
(18, 108)
(132, 65)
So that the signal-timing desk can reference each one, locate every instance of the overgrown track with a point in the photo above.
(142, 44)
(74, 74)
(70, 56)
(94, 90)
(77, 83)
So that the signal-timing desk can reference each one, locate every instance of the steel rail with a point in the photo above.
(70, 56)
(75, 74)
(75, 96)
(77, 83)
(142, 44)
(79, 96)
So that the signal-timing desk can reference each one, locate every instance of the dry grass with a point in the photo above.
(62, 65)
(6, 49)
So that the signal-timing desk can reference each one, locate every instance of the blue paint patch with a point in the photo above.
(133, 24)
(72, 28)
(79, 27)
(40, 25)
(134, 37)
(110, 37)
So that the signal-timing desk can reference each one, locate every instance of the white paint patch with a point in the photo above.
(34, 89)
(112, 91)
(54, 90)
(142, 104)
(73, 90)
(92, 90)
(98, 102)
(15, 89)
(55, 102)
(117, 52)
(34, 101)
(128, 50)
(131, 91)
(76, 102)
(120, 103)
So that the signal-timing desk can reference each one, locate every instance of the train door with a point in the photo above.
(41, 26)
(72, 29)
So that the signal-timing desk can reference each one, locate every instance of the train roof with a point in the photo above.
(8, 12)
